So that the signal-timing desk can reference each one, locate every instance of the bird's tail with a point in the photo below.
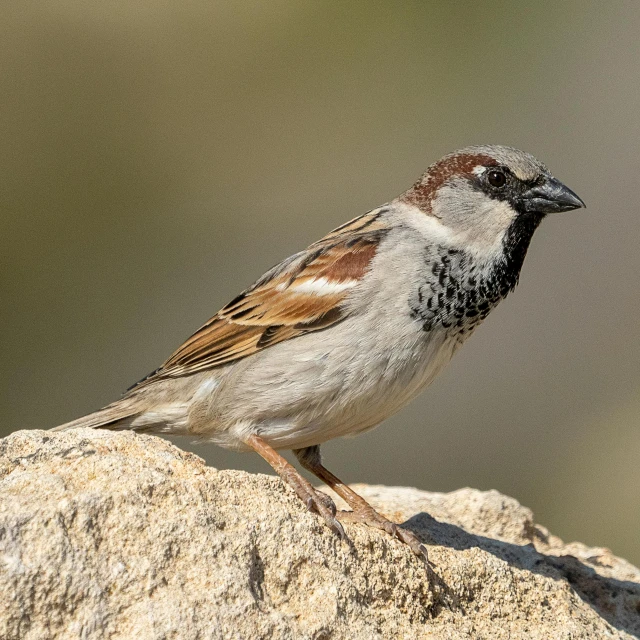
(117, 415)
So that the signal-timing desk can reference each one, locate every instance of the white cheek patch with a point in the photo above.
(475, 221)
(485, 237)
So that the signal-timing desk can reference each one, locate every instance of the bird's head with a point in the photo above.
(485, 196)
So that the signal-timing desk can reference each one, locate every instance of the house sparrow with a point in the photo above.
(338, 337)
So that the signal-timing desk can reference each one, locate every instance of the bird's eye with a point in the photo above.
(496, 178)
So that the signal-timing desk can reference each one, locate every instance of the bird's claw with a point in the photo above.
(409, 538)
(320, 503)
(373, 519)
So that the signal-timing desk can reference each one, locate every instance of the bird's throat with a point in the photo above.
(459, 292)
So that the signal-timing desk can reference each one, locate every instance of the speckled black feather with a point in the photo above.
(459, 295)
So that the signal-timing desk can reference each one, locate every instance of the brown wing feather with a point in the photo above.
(285, 302)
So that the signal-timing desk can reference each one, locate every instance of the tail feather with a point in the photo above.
(117, 415)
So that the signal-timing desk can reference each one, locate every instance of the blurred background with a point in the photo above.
(157, 157)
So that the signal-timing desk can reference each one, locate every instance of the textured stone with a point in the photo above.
(114, 535)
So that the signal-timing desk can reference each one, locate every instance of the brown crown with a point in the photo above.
(423, 192)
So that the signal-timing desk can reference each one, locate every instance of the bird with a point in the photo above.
(338, 337)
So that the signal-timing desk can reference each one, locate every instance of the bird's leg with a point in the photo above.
(362, 511)
(313, 499)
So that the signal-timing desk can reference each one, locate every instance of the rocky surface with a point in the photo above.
(114, 535)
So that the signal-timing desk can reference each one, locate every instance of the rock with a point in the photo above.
(121, 536)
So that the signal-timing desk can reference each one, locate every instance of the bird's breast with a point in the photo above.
(455, 293)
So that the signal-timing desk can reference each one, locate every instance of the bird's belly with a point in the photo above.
(311, 390)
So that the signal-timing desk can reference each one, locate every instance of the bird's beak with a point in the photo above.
(551, 196)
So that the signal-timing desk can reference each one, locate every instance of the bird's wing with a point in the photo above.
(303, 293)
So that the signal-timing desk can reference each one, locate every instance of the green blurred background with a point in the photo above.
(156, 157)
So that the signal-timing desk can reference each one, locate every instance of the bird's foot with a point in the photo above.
(317, 502)
(324, 506)
(369, 516)
(327, 501)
